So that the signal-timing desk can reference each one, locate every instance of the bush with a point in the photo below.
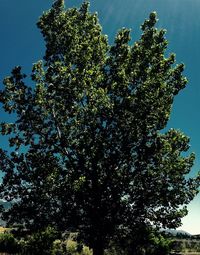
(70, 247)
(145, 240)
(8, 243)
(159, 245)
(39, 243)
(59, 248)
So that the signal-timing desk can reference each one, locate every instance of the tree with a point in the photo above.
(88, 153)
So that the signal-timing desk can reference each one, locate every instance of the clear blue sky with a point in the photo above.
(22, 44)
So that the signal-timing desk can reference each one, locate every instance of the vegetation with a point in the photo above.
(70, 247)
(46, 243)
(40, 242)
(8, 243)
(186, 245)
(88, 151)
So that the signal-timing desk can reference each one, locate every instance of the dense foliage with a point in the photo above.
(88, 154)
(8, 243)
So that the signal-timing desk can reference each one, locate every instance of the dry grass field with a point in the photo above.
(2, 229)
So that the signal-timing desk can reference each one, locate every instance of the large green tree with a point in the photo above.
(88, 154)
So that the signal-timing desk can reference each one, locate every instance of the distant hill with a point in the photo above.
(175, 232)
(181, 234)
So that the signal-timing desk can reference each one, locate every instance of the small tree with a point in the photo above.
(88, 154)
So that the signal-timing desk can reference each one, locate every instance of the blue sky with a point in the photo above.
(22, 44)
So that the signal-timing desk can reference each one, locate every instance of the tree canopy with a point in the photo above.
(88, 150)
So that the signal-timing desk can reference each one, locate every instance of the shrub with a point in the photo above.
(159, 245)
(40, 242)
(69, 247)
(8, 243)
(59, 248)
